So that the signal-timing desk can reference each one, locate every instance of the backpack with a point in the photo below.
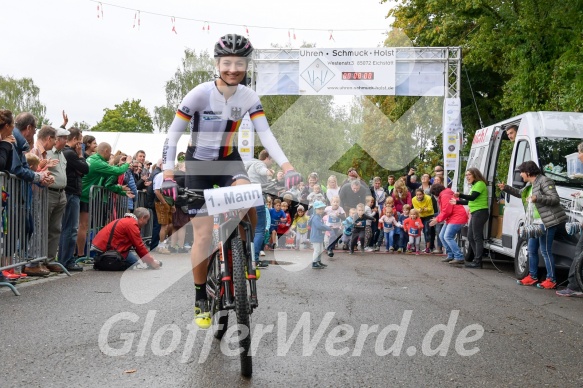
(150, 196)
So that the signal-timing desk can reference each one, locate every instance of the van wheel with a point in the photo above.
(466, 249)
(521, 260)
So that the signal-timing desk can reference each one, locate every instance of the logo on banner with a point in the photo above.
(317, 75)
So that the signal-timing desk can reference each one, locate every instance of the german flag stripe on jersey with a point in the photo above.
(183, 115)
(257, 114)
(230, 138)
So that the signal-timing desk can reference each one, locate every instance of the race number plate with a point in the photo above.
(238, 197)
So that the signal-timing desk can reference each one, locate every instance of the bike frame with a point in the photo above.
(228, 229)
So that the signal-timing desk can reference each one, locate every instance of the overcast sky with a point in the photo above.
(84, 64)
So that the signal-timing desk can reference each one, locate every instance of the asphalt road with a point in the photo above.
(368, 320)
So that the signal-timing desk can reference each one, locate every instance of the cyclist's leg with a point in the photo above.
(202, 230)
(251, 213)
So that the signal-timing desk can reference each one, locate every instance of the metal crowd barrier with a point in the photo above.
(104, 207)
(23, 224)
(147, 230)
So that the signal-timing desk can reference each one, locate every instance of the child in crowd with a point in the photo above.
(315, 195)
(379, 193)
(296, 192)
(348, 225)
(32, 160)
(403, 236)
(424, 205)
(283, 227)
(300, 226)
(267, 236)
(277, 216)
(317, 230)
(388, 222)
(372, 228)
(389, 201)
(335, 215)
(332, 188)
(359, 228)
(413, 226)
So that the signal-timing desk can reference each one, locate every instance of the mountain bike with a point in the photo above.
(231, 272)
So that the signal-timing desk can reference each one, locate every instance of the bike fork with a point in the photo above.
(226, 274)
(251, 270)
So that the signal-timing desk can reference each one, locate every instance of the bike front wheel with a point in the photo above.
(242, 308)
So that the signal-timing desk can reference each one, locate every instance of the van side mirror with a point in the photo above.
(517, 181)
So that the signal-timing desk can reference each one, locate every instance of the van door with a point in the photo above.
(490, 172)
(514, 209)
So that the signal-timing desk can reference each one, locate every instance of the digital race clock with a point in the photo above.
(358, 75)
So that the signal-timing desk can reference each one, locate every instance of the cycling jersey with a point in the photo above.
(214, 122)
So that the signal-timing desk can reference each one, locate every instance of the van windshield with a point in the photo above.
(558, 160)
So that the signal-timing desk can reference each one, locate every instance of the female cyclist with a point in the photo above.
(214, 110)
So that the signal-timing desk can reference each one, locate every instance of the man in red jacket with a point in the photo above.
(125, 237)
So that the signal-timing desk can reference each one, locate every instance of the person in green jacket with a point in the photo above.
(477, 201)
(101, 173)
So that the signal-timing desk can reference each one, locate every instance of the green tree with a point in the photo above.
(83, 125)
(194, 70)
(521, 55)
(309, 129)
(22, 95)
(129, 116)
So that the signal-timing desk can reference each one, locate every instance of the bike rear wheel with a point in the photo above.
(242, 308)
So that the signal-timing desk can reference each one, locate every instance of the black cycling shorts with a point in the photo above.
(206, 174)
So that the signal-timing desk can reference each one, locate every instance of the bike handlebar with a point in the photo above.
(270, 188)
(187, 196)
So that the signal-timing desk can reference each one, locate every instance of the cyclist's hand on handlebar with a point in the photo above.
(292, 178)
(169, 188)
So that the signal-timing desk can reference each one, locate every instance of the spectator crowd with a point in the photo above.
(66, 164)
(403, 215)
(357, 216)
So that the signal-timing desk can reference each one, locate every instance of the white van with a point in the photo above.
(550, 139)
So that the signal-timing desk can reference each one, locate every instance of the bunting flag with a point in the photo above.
(99, 11)
(206, 23)
(137, 19)
(173, 19)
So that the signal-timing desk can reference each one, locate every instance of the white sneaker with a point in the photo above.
(261, 253)
(162, 250)
(368, 249)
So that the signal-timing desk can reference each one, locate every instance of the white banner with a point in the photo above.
(246, 138)
(368, 71)
(452, 133)
(228, 198)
